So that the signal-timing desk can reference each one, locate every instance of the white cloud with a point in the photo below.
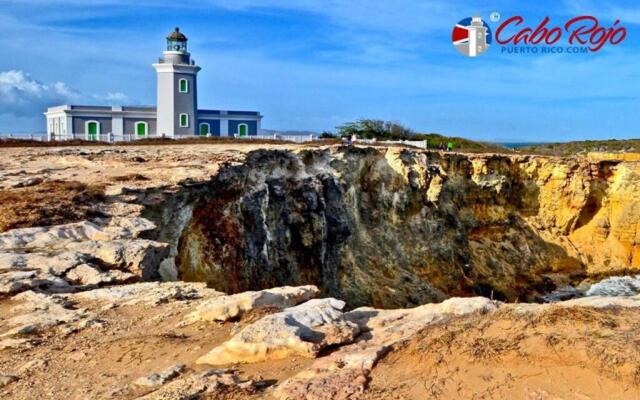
(22, 95)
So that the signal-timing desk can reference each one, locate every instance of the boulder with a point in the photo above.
(56, 263)
(88, 275)
(344, 373)
(50, 237)
(19, 281)
(37, 312)
(302, 330)
(203, 385)
(141, 257)
(160, 378)
(340, 376)
(225, 308)
(148, 293)
(69, 257)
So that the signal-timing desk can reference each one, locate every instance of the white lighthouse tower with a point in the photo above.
(177, 102)
(477, 37)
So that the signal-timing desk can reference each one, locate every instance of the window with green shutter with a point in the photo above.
(184, 86)
(184, 120)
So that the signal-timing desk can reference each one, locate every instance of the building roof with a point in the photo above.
(177, 35)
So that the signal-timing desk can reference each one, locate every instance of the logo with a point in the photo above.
(583, 32)
(471, 36)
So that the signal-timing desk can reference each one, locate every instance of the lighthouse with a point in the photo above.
(477, 37)
(177, 98)
(175, 115)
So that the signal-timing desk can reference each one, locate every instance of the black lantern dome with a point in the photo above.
(177, 41)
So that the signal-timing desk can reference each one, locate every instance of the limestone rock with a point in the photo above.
(85, 274)
(16, 344)
(37, 312)
(140, 256)
(225, 308)
(210, 382)
(32, 366)
(50, 237)
(80, 265)
(395, 227)
(70, 257)
(160, 378)
(55, 263)
(149, 293)
(7, 380)
(167, 270)
(29, 181)
(344, 373)
(603, 302)
(302, 330)
(19, 281)
(129, 227)
(340, 376)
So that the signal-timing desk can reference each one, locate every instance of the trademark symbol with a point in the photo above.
(494, 16)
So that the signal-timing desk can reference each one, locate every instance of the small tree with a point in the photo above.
(348, 129)
(327, 135)
(375, 128)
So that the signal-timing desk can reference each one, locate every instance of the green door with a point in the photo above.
(141, 129)
(242, 130)
(92, 130)
(204, 129)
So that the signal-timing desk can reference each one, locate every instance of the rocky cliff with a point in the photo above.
(398, 227)
(371, 226)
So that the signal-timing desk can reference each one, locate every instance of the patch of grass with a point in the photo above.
(48, 203)
(576, 315)
(489, 348)
(584, 146)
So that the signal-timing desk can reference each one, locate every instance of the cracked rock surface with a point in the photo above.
(314, 233)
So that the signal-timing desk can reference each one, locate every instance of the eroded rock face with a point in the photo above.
(78, 256)
(395, 228)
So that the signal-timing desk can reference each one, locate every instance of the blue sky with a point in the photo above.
(314, 64)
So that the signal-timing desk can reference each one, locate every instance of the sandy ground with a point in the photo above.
(103, 360)
(560, 354)
(98, 164)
